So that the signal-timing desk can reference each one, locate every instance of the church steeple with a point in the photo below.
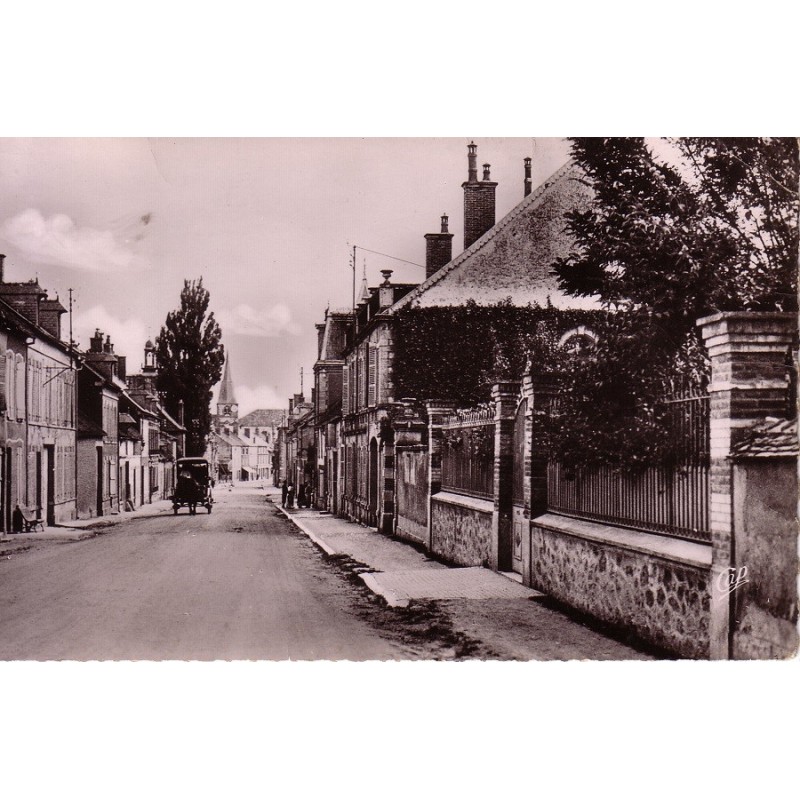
(226, 403)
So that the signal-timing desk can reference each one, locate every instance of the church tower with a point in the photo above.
(227, 407)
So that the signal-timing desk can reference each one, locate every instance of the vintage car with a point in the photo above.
(193, 485)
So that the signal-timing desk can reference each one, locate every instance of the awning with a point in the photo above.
(250, 470)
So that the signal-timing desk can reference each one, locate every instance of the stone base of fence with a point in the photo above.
(461, 529)
(653, 587)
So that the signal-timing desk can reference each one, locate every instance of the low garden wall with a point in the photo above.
(653, 587)
(461, 529)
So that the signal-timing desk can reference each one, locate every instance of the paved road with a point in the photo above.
(239, 583)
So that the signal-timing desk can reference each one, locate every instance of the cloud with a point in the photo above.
(58, 241)
(244, 320)
(250, 399)
(128, 336)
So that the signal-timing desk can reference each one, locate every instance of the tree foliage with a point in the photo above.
(677, 230)
(686, 229)
(190, 358)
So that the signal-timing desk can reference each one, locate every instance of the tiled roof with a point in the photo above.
(514, 258)
(771, 438)
(264, 418)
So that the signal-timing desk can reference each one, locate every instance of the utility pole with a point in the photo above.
(354, 278)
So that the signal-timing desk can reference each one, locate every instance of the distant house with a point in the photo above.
(162, 436)
(331, 343)
(259, 429)
(101, 358)
(97, 485)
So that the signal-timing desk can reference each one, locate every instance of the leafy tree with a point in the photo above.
(190, 358)
(677, 230)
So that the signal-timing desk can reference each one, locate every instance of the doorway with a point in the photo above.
(50, 456)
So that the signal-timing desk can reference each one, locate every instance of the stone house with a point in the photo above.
(101, 357)
(98, 402)
(331, 341)
(40, 386)
(259, 429)
(161, 435)
(509, 258)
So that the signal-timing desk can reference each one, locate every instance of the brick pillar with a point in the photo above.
(504, 396)
(437, 410)
(539, 391)
(748, 383)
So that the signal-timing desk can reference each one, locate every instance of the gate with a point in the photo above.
(519, 520)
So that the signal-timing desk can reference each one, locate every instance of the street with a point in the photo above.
(239, 583)
(243, 583)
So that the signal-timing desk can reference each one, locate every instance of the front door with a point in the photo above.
(50, 451)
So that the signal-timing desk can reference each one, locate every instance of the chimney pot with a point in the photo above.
(486, 172)
(472, 162)
(527, 176)
(445, 220)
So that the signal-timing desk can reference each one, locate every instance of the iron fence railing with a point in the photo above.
(672, 500)
(468, 453)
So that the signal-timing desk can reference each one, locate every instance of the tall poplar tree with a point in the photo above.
(190, 358)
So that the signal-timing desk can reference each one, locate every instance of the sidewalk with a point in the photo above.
(77, 529)
(397, 571)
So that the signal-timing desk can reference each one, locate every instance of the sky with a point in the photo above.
(269, 224)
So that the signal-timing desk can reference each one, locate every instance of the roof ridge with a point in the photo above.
(479, 243)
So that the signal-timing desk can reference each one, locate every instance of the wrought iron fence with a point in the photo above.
(468, 453)
(669, 499)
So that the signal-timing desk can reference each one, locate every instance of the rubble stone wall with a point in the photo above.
(461, 529)
(659, 600)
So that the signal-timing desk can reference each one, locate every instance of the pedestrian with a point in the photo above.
(301, 495)
(17, 520)
(284, 492)
(290, 496)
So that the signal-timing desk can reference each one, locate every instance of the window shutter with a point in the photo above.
(373, 363)
(346, 389)
(20, 387)
(3, 387)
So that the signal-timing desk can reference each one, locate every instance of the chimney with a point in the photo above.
(122, 367)
(96, 342)
(50, 312)
(438, 249)
(386, 290)
(320, 336)
(479, 200)
(2, 268)
(527, 176)
(108, 347)
(291, 406)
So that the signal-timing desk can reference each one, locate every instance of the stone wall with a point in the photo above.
(660, 596)
(765, 547)
(461, 529)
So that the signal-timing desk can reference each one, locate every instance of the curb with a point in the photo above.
(311, 535)
(392, 599)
